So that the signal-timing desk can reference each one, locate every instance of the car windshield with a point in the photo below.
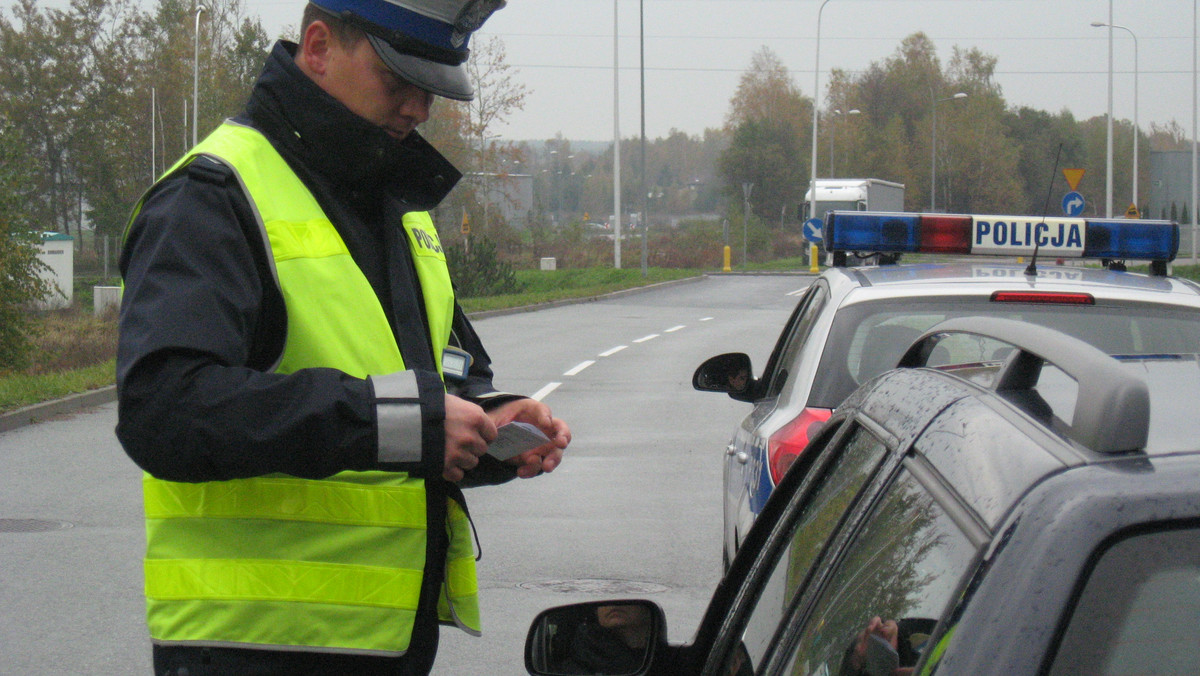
(868, 338)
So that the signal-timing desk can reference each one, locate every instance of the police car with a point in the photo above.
(1033, 514)
(853, 323)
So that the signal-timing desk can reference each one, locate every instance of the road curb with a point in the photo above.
(48, 409)
(484, 314)
(38, 412)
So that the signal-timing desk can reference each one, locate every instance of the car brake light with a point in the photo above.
(788, 441)
(1043, 297)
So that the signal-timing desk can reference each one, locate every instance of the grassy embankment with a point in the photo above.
(75, 351)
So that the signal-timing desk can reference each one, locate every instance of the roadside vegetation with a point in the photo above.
(72, 351)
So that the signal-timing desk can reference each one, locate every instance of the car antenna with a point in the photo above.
(1031, 269)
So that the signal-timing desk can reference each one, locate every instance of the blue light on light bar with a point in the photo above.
(872, 231)
(866, 231)
(1142, 240)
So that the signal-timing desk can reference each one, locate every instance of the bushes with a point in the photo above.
(477, 271)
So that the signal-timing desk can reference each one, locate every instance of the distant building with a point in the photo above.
(509, 195)
(1170, 184)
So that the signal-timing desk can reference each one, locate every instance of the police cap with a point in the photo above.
(422, 41)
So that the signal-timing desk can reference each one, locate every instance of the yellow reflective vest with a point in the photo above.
(331, 565)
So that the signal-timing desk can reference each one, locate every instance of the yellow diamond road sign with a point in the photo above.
(1132, 211)
(1073, 177)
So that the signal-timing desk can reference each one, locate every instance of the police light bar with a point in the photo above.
(1001, 235)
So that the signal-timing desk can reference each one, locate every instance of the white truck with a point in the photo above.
(854, 194)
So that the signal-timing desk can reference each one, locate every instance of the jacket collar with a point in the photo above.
(353, 153)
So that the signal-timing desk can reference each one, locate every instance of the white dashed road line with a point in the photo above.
(550, 387)
(579, 367)
(541, 394)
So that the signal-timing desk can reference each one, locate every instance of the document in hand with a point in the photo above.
(514, 439)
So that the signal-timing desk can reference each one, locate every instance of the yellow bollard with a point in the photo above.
(812, 259)
(726, 267)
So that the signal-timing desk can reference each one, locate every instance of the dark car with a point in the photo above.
(1034, 513)
(853, 323)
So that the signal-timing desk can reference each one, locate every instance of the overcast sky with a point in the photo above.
(1050, 57)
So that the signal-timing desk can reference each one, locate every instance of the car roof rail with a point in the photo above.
(1112, 405)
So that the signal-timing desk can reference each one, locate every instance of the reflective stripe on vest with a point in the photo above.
(333, 564)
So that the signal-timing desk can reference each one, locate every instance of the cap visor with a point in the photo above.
(437, 78)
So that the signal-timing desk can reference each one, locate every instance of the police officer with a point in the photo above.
(286, 314)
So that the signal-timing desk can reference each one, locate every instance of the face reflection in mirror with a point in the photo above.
(606, 638)
(739, 380)
(630, 622)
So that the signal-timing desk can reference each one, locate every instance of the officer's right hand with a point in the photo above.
(469, 430)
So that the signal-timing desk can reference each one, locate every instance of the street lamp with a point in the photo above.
(1101, 24)
(812, 203)
(196, 76)
(837, 111)
(616, 143)
(933, 151)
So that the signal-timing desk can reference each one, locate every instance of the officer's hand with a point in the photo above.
(546, 457)
(469, 430)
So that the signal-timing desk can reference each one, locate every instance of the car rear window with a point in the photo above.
(867, 339)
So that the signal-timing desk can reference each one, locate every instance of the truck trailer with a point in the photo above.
(854, 194)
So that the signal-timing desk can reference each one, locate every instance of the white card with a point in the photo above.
(514, 439)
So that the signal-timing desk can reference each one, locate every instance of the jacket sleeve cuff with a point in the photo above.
(410, 409)
(492, 400)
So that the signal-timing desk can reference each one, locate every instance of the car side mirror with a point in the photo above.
(615, 638)
(730, 373)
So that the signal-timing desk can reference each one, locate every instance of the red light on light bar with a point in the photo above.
(945, 234)
(1043, 297)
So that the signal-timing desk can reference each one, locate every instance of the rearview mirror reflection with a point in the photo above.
(614, 638)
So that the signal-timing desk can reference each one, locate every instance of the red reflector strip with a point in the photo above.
(1043, 297)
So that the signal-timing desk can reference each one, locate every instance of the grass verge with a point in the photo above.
(74, 352)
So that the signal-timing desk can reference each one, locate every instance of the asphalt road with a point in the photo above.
(634, 511)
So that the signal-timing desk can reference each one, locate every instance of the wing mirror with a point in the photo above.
(614, 638)
(729, 373)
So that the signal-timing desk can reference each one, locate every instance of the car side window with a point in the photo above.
(1138, 609)
(905, 565)
(816, 519)
(784, 355)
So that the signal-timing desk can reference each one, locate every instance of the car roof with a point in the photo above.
(983, 276)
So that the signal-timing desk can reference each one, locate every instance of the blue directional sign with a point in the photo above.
(812, 230)
(1073, 203)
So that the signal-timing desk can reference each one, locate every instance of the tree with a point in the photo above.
(766, 153)
(44, 58)
(766, 120)
(20, 281)
(464, 132)
(766, 91)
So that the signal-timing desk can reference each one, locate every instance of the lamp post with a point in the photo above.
(616, 143)
(1108, 143)
(196, 76)
(644, 221)
(1101, 24)
(837, 111)
(812, 203)
(933, 151)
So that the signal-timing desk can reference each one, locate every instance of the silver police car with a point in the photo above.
(854, 322)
